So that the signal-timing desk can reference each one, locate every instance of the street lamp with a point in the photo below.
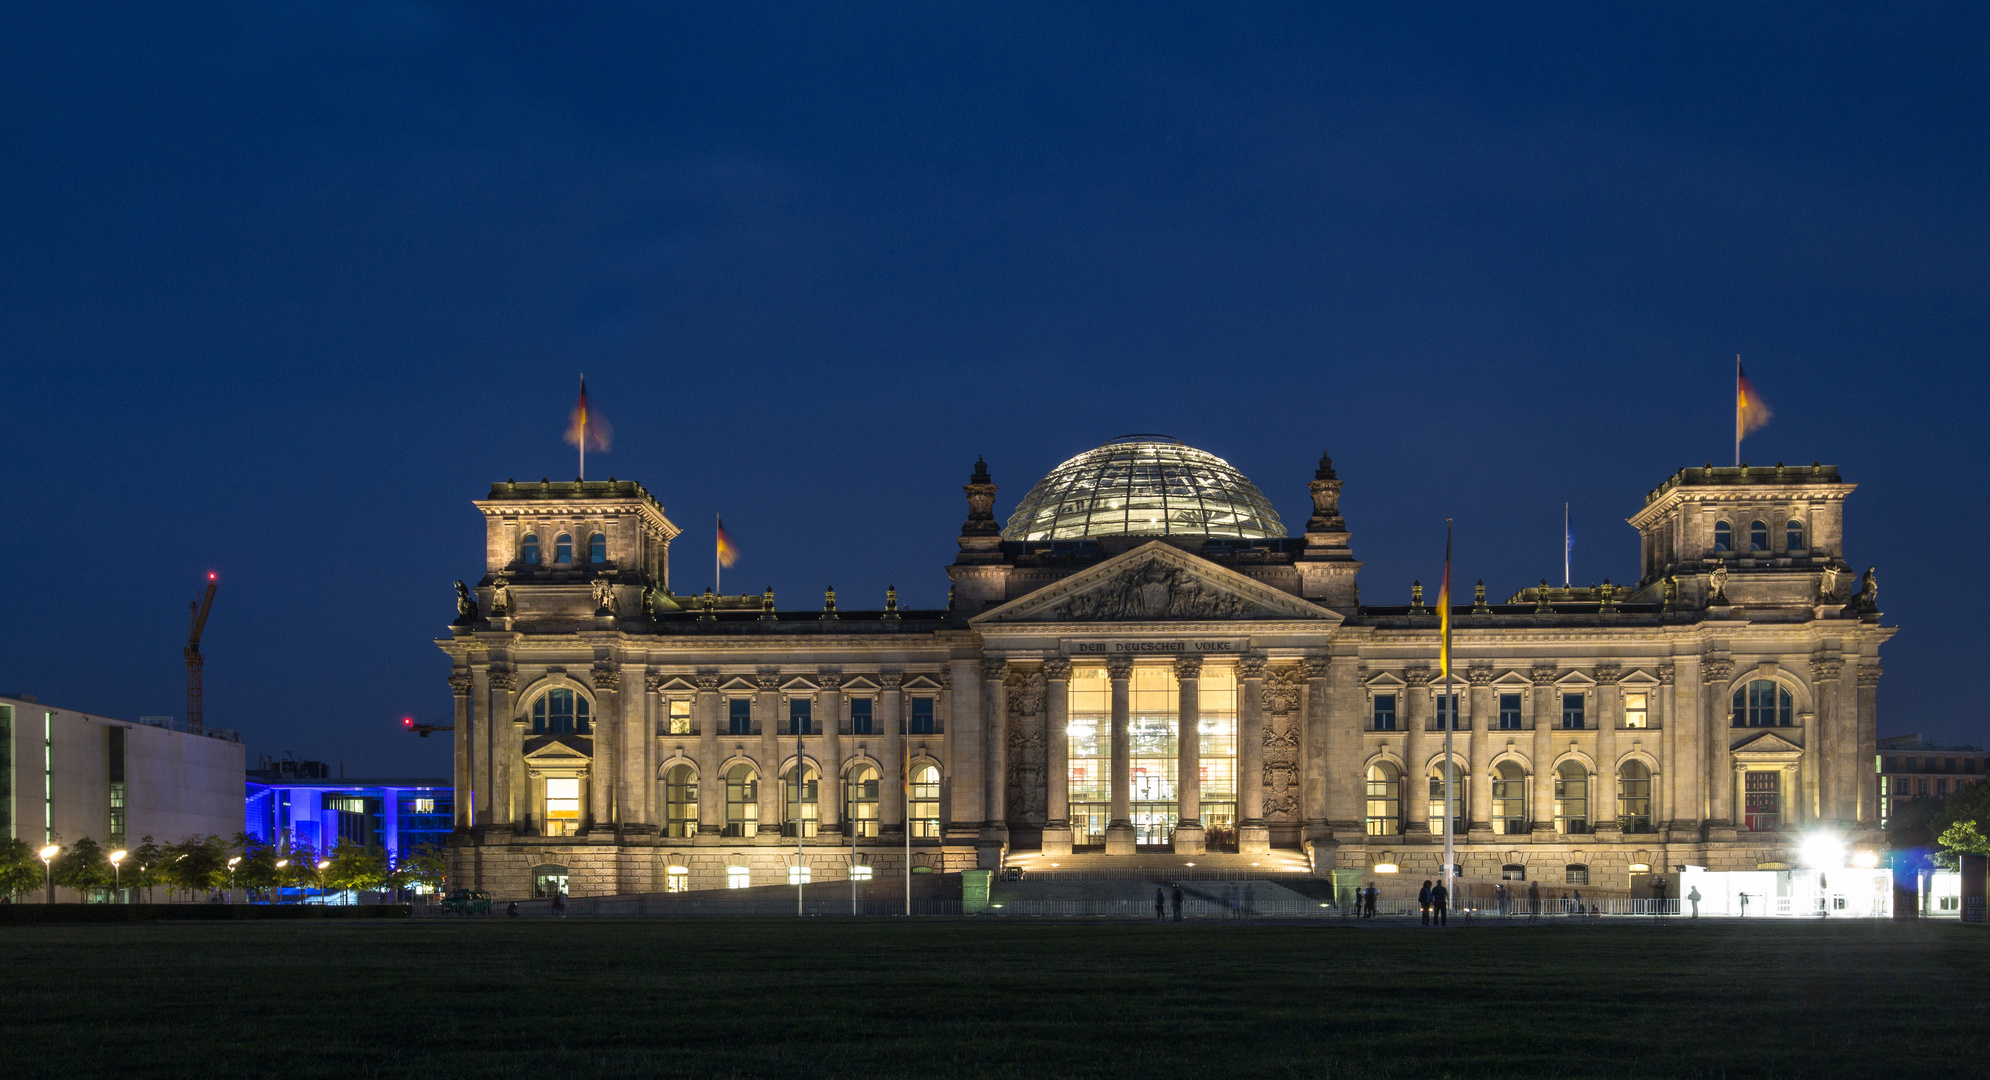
(280, 864)
(231, 877)
(48, 855)
(117, 879)
(322, 863)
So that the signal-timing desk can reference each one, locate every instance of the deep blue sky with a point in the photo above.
(284, 286)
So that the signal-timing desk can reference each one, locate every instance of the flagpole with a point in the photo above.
(1566, 553)
(583, 426)
(1737, 410)
(718, 525)
(1450, 769)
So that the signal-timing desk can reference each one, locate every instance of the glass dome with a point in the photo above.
(1144, 485)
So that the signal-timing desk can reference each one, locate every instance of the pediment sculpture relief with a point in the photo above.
(1152, 589)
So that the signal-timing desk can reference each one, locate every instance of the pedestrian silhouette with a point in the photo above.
(1160, 905)
(1423, 902)
(1177, 898)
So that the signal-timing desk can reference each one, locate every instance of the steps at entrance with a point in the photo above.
(1223, 864)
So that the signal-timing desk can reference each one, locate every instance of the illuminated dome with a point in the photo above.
(1144, 485)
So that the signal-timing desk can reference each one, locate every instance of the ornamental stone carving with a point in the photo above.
(1281, 791)
(1188, 667)
(1542, 674)
(606, 677)
(1057, 667)
(1151, 589)
(1251, 667)
(1607, 674)
(1717, 670)
(504, 679)
(1479, 675)
(768, 680)
(706, 680)
(891, 680)
(1665, 674)
(1869, 675)
(604, 598)
(459, 683)
(994, 670)
(831, 680)
(1826, 668)
(1028, 752)
(654, 680)
(1281, 690)
(1417, 676)
(1119, 667)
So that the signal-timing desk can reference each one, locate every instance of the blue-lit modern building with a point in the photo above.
(301, 801)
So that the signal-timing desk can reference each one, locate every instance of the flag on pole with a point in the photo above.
(727, 550)
(1750, 411)
(586, 427)
(1444, 614)
(1568, 545)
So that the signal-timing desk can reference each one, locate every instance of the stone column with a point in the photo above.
(507, 749)
(1724, 807)
(711, 786)
(965, 744)
(465, 778)
(1665, 793)
(995, 674)
(1481, 707)
(1347, 781)
(1057, 756)
(1119, 830)
(1609, 713)
(1542, 817)
(1416, 751)
(1867, 798)
(633, 795)
(767, 710)
(829, 714)
(1312, 731)
(1188, 756)
(891, 782)
(601, 791)
(1253, 836)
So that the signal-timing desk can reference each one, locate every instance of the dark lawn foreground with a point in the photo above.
(537, 998)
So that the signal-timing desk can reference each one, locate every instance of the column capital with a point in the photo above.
(1542, 674)
(504, 679)
(768, 680)
(1869, 675)
(1250, 667)
(831, 679)
(1717, 670)
(1119, 667)
(891, 680)
(1607, 674)
(1479, 674)
(459, 683)
(993, 670)
(1188, 667)
(653, 680)
(1417, 676)
(706, 680)
(1057, 667)
(606, 677)
(1666, 673)
(1826, 668)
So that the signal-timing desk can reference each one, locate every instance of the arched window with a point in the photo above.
(528, 550)
(1385, 800)
(923, 814)
(563, 550)
(798, 791)
(1571, 798)
(680, 802)
(861, 811)
(1758, 536)
(1764, 703)
(742, 802)
(1436, 807)
(597, 548)
(1509, 799)
(1793, 535)
(1634, 797)
(1723, 536)
(560, 711)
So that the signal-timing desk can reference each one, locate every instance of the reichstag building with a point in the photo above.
(1144, 666)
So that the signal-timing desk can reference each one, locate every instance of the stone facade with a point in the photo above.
(1171, 692)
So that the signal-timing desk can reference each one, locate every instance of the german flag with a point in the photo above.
(1750, 411)
(587, 428)
(728, 552)
(1444, 613)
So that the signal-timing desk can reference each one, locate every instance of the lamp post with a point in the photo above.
(117, 879)
(48, 855)
(231, 877)
(322, 863)
(280, 864)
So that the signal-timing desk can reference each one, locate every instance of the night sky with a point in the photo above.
(284, 286)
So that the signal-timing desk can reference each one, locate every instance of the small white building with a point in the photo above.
(65, 775)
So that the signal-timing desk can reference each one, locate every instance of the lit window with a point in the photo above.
(922, 716)
(1571, 798)
(597, 548)
(1385, 807)
(860, 872)
(798, 791)
(860, 716)
(800, 875)
(1634, 797)
(1723, 536)
(1758, 536)
(1509, 799)
(1435, 809)
(1636, 710)
(1763, 703)
(677, 879)
(1385, 712)
(562, 803)
(528, 550)
(742, 801)
(737, 877)
(1764, 801)
(560, 711)
(1572, 712)
(861, 812)
(1509, 712)
(1513, 872)
(423, 806)
(1793, 535)
(1575, 874)
(549, 881)
(680, 802)
(563, 550)
(680, 716)
(924, 811)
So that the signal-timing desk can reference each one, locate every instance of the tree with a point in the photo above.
(21, 870)
(357, 867)
(197, 864)
(422, 867)
(300, 866)
(1964, 838)
(82, 866)
(145, 867)
(257, 870)
(1968, 803)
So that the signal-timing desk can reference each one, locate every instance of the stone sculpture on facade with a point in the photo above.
(1827, 584)
(1151, 590)
(1717, 585)
(466, 606)
(500, 597)
(1867, 598)
(604, 598)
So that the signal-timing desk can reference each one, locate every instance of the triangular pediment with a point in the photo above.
(1156, 583)
(554, 750)
(1767, 744)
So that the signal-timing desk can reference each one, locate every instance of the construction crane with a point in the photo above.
(199, 619)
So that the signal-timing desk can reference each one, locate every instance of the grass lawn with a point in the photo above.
(538, 998)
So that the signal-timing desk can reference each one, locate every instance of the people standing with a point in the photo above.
(1533, 901)
(1177, 899)
(1160, 904)
(1440, 902)
(1374, 896)
(1694, 896)
(559, 903)
(1423, 902)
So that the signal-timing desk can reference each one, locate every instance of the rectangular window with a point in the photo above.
(6, 770)
(1635, 710)
(563, 798)
(860, 872)
(117, 791)
(800, 875)
(860, 716)
(1575, 875)
(1447, 713)
(423, 806)
(1572, 714)
(1892, 764)
(739, 716)
(680, 716)
(1385, 712)
(922, 716)
(677, 880)
(1764, 800)
(801, 716)
(738, 877)
(1509, 712)
(1089, 755)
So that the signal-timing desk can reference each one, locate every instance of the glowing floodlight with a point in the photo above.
(1823, 850)
(1866, 860)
